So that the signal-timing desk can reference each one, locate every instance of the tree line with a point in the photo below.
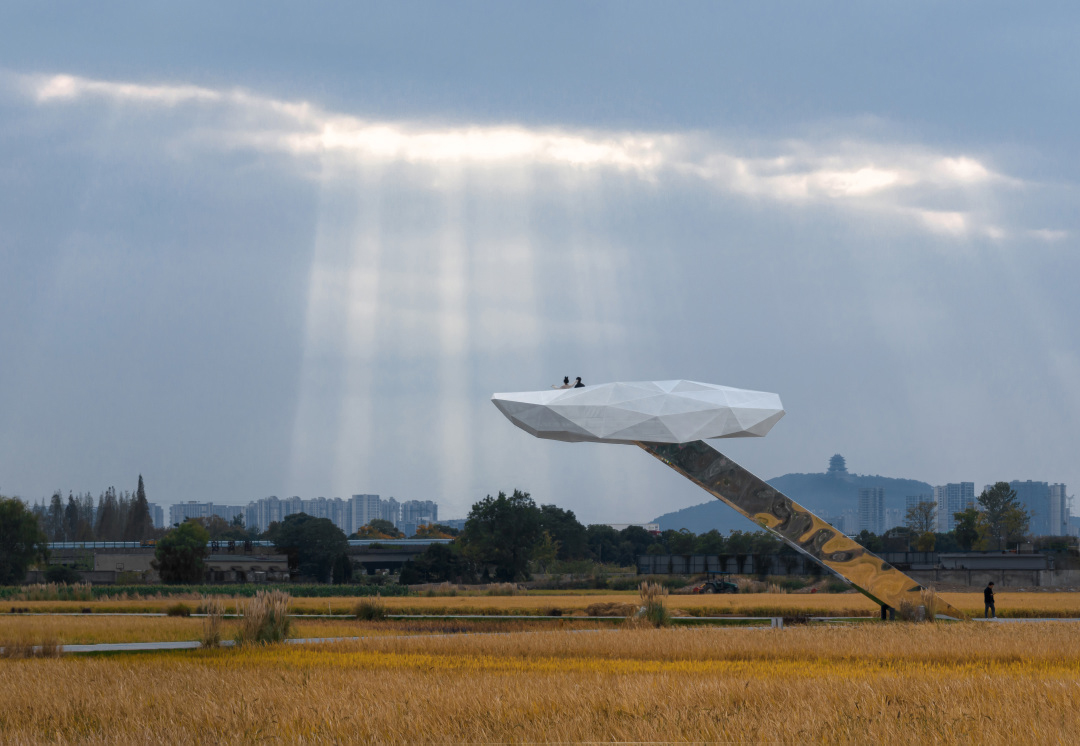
(506, 537)
(118, 516)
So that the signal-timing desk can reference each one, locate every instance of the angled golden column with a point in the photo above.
(798, 527)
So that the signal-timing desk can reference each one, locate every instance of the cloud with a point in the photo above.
(911, 183)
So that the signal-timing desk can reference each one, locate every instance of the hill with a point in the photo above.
(825, 494)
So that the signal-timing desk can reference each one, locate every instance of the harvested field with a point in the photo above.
(883, 683)
(88, 630)
(1029, 604)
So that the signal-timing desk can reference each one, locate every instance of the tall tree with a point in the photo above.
(140, 524)
(71, 518)
(503, 531)
(22, 542)
(109, 527)
(920, 520)
(123, 510)
(1003, 517)
(966, 531)
(56, 517)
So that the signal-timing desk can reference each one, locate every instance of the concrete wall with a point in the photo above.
(1002, 578)
(743, 564)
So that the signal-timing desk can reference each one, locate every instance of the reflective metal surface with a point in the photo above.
(798, 527)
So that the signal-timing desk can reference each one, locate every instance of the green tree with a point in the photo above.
(710, 542)
(221, 530)
(679, 542)
(502, 532)
(870, 541)
(22, 542)
(546, 551)
(313, 545)
(603, 542)
(566, 531)
(966, 528)
(1002, 515)
(140, 524)
(180, 556)
(440, 563)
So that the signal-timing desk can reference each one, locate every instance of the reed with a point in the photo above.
(652, 609)
(265, 618)
(214, 608)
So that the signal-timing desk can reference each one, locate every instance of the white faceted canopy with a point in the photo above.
(643, 411)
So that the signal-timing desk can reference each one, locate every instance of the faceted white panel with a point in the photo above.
(645, 411)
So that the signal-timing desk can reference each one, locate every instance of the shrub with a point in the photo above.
(370, 610)
(178, 609)
(265, 618)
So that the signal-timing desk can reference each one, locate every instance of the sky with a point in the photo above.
(258, 249)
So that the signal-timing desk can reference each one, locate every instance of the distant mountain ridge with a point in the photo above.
(825, 495)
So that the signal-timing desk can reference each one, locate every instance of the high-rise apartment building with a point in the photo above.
(1060, 504)
(363, 509)
(419, 512)
(951, 499)
(1035, 498)
(872, 509)
(157, 515)
(192, 509)
(348, 515)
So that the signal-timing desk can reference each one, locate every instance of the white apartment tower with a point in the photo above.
(872, 509)
(951, 499)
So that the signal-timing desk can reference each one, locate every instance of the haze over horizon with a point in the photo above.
(264, 250)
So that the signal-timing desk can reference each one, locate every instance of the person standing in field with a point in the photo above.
(988, 600)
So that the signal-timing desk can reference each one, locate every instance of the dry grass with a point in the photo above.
(896, 683)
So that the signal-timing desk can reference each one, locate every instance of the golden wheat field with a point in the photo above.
(906, 683)
(90, 629)
(1031, 604)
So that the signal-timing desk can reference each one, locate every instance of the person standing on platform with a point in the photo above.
(988, 601)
